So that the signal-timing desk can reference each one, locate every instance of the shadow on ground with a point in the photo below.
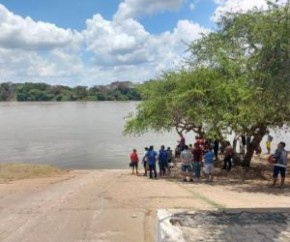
(254, 179)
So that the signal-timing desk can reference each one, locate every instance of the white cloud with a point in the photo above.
(114, 42)
(56, 66)
(134, 8)
(105, 51)
(234, 6)
(24, 33)
(192, 6)
(127, 43)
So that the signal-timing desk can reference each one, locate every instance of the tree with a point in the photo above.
(238, 79)
(6, 91)
(44, 92)
(184, 100)
(255, 48)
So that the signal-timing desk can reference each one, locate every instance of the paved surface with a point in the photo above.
(114, 205)
(234, 225)
(74, 208)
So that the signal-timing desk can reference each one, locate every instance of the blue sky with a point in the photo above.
(73, 13)
(63, 13)
(91, 42)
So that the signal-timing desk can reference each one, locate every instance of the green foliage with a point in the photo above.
(120, 91)
(237, 79)
(6, 91)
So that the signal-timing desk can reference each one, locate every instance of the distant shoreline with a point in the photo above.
(29, 91)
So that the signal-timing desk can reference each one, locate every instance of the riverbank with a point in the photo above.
(114, 205)
(12, 172)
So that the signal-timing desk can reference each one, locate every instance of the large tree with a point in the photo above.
(253, 47)
(239, 79)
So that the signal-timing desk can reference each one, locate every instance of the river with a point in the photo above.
(77, 135)
(71, 135)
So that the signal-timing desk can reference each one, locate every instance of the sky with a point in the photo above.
(95, 42)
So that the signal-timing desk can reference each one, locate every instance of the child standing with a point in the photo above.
(134, 161)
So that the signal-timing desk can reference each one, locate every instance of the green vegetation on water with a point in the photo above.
(116, 91)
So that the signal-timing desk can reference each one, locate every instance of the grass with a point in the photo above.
(10, 172)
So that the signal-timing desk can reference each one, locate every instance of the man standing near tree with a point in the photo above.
(186, 159)
(280, 164)
(228, 155)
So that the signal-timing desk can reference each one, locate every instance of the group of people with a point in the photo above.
(202, 154)
(192, 159)
(149, 160)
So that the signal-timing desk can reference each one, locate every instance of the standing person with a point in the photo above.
(208, 161)
(152, 156)
(134, 161)
(269, 142)
(197, 160)
(162, 160)
(169, 159)
(186, 159)
(228, 155)
(216, 148)
(280, 164)
(181, 142)
(177, 150)
(145, 161)
(169, 155)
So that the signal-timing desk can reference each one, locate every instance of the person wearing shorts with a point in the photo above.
(208, 161)
(280, 164)
(186, 159)
(134, 161)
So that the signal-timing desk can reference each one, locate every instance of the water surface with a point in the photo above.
(74, 135)
(78, 135)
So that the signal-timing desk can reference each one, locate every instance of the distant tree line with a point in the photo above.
(116, 91)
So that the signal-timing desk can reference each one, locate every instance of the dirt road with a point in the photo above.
(110, 205)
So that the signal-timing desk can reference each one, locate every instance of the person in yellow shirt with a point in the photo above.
(269, 142)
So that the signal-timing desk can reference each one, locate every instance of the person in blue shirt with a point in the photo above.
(208, 162)
(280, 164)
(162, 160)
(152, 157)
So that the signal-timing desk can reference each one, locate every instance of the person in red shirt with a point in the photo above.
(197, 160)
(228, 155)
(134, 161)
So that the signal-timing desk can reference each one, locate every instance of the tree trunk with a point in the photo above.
(249, 155)
(258, 136)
